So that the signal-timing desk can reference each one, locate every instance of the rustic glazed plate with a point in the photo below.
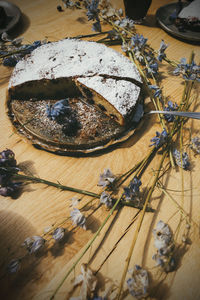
(163, 17)
(13, 15)
(97, 131)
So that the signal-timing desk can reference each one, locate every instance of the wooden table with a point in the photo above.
(39, 206)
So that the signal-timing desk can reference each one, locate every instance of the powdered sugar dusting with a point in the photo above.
(70, 58)
(122, 94)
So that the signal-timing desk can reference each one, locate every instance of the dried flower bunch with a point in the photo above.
(12, 50)
(123, 189)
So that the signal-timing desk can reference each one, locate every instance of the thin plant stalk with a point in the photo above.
(86, 248)
(57, 185)
(181, 209)
(141, 217)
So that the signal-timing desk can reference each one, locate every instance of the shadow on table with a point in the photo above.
(21, 27)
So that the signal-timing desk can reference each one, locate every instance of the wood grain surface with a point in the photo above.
(39, 206)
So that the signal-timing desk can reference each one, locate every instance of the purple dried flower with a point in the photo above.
(96, 26)
(58, 234)
(28, 48)
(181, 162)
(153, 68)
(138, 42)
(59, 109)
(159, 139)
(133, 190)
(11, 61)
(161, 51)
(14, 266)
(93, 14)
(10, 189)
(78, 218)
(157, 90)
(106, 199)
(188, 71)
(171, 107)
(93, 10)
(7, 158)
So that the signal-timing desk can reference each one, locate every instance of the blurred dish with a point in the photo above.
(163, 17)
(12, 18)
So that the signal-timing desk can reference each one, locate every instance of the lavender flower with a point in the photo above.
(8, 167)
(181, 162)
(78, 218)
(161, 51)
(13, 59)
(58, 110)
(14, 266)
(93, 14)
(7, 158)
(106, 199)
(133, 190)
(58, 234)
(188, 71)
(171, 107)
(158, 92)
(159, 139)
(34, 244)
(195, 144)
(28, 48)
(138, 42)
(138, 283)
(154, 68)
(96, 26)
(107, 179)
(10, 189)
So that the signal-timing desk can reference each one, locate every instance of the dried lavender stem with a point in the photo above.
(141, 217)
(57, 185)
(86, 248)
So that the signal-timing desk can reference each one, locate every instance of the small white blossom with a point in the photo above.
(163, 241)
(58, 234)
(14, 266)
(5, 37)
(106, 178)
(78, 218)
(74, 201)
(88, 283)
(106, 199)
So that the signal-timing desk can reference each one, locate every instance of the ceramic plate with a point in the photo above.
(163, 17)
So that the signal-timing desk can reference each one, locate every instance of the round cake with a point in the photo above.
(73, 94)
